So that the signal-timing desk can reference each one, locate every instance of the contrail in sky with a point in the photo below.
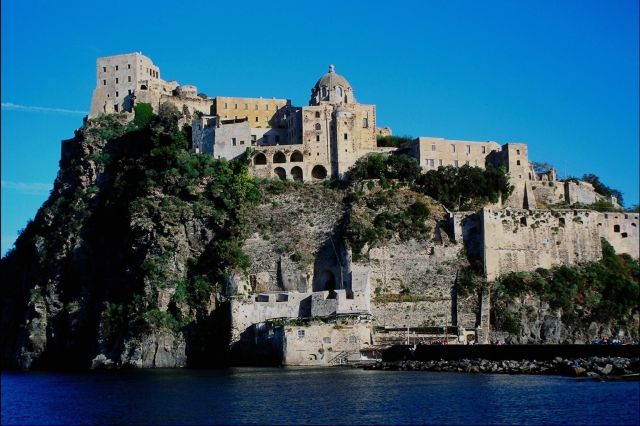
(31, 188)
(27, 108)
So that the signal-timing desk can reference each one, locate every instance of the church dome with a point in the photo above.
(333, 88)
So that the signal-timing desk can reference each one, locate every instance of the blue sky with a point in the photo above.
(561, 76)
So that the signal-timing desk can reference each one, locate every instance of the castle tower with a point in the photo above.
(336, 129)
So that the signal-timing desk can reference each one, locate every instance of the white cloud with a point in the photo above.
(30, 188)
(27, 108)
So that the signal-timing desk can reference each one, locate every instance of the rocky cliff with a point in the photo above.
(122, 264)
(133, 257)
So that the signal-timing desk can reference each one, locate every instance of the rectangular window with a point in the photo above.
(241, 142)
(300, 334)
(266, 107)
(484, 149)
(129, 79)
(453, 148)
(317, 138)
(115, 107)
(253, 139)
(116, 68)
(326, 340)
(246, 106)
(468, 149)
(256, 119)
(353, 339)
(466, 162)
(433, 147)
(255, 107)
(233, 141)
(128, 66)
(225, 105)
(104, 69)
(365, 122)
(431, 163)
(129, 91)
(455, 163)
(104, 82)
(440, 163)
(345, 136)
(517, 151)
(116, 81)
(117, 94)
(235, 106)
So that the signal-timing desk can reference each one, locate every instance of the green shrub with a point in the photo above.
(143, 114)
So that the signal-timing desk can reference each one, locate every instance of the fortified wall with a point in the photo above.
(523, 240)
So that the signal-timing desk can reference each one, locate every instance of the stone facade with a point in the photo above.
(621, 231)
(259, 112)
(325, 344)
(325, 138)
(432, 153)
(122, 81)
(524, 240)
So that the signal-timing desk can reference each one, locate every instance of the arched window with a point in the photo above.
(143, 87)
(280, 173)
(318, 126)
(339, 91)
(260, 159)
(319, 172)
(323, 91)
(296, 173)
(317, 114)
(296, 157)
(279, 157)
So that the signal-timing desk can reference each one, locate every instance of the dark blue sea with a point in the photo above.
(312, 396)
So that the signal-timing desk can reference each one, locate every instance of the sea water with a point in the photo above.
(312, 396)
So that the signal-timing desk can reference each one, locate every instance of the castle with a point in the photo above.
(323, 140)
(315, 142)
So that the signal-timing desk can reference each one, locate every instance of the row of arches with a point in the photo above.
(317, 173)
(279, 157)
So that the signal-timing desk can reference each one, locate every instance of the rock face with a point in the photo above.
(108, 272)
(133, 258)
(540, 323)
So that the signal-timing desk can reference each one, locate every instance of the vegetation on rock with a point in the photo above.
(603, 291)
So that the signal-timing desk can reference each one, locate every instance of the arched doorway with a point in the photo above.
(279, 157)
(281, 173)
(296, 173)
(325, 282)
(260, 159)
(319, 172)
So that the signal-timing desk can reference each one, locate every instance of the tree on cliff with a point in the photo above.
(136, 241)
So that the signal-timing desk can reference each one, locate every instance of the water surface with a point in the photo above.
(312, 396)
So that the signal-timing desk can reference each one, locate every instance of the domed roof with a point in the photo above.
(332, 79)
(332, 88)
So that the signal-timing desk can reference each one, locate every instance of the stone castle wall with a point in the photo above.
(621, 231)
(412, 283)
(524, 240)
(548, 193)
